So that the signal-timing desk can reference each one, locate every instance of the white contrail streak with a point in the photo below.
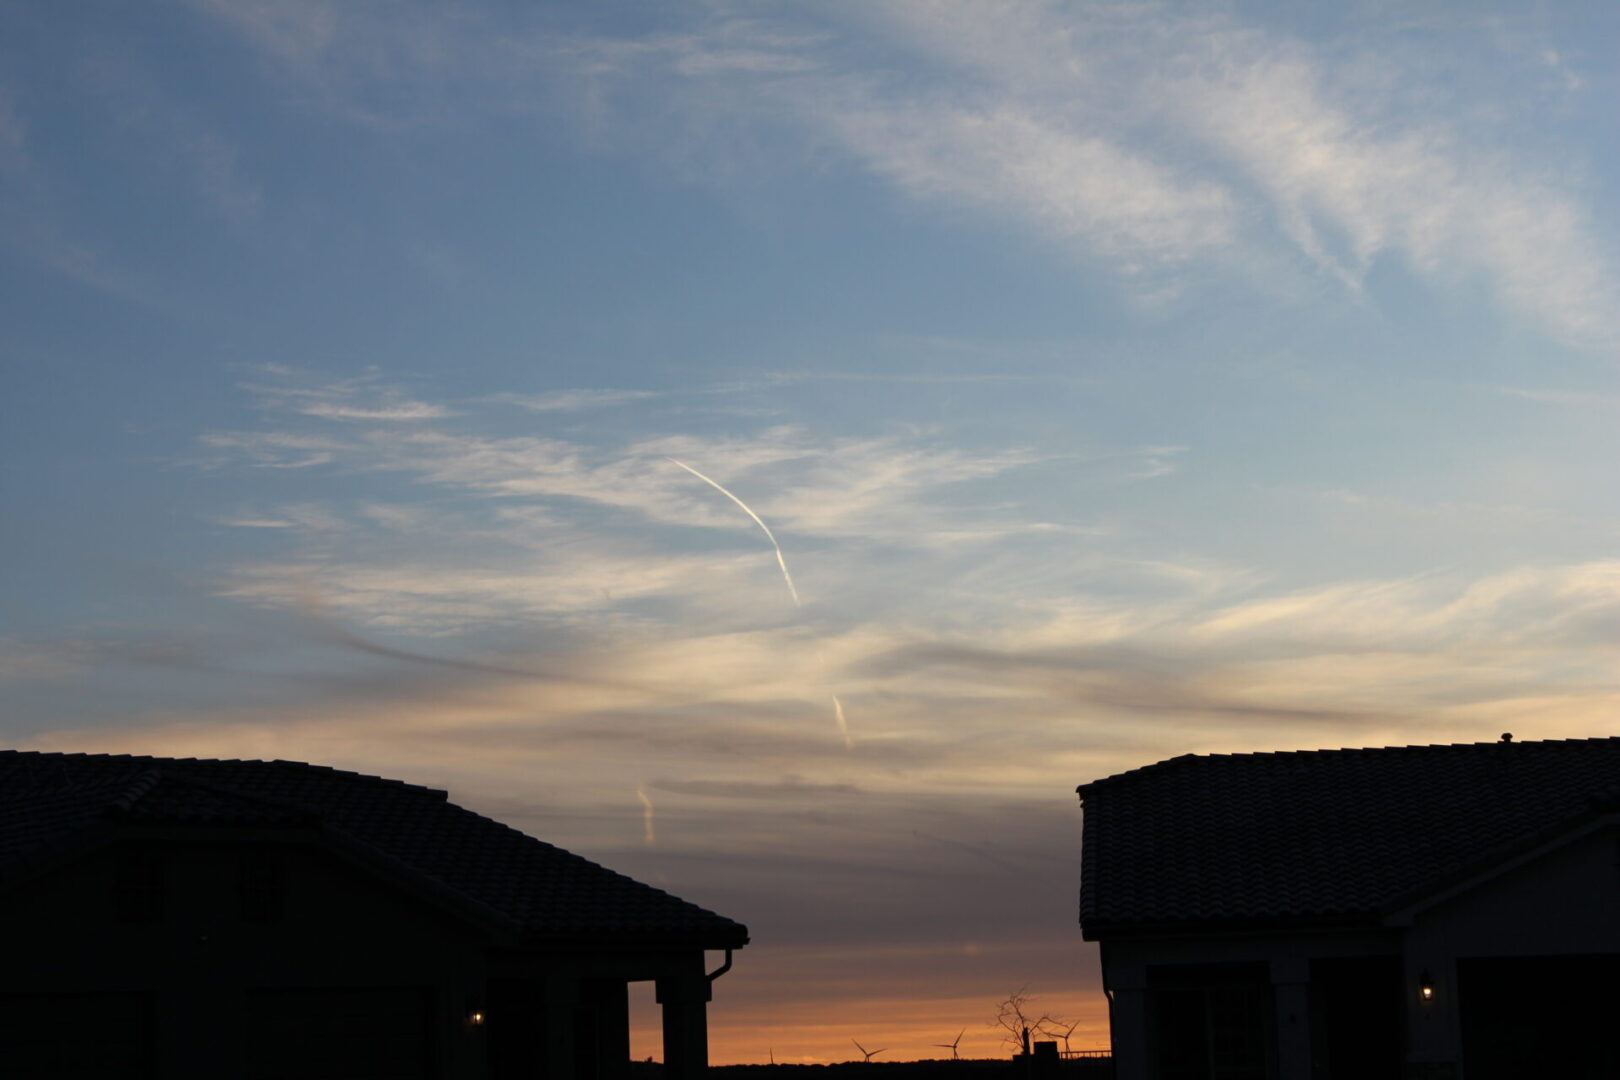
(780, 561)
(843, 723)
(838, 706)
(648, 836)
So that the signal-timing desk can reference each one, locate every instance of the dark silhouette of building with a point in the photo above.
(258, 919)
(1421, 911)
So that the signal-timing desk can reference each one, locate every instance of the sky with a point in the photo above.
(780, 450)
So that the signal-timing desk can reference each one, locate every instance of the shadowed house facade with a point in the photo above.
(203, 918)
(1421, 911)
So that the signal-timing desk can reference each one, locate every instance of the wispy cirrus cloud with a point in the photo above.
(1348, 187)
(22, 660)
(361, 397)
(310, 516)
(571, 400)
(1327, 146)
(829, 486)
(1574, 399)
(1156, 141)
(1008, 159)
(602, 536)
(269, 449)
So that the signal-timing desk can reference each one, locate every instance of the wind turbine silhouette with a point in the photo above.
(870, 1054)
(952, 1044)
(1066, 1034)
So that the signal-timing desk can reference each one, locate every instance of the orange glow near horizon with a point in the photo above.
(818, 1033)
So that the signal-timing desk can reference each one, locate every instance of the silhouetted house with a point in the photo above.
(197, 918)
(1422, 911)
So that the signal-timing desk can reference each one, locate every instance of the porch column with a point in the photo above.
(560, 1006)
(686, 1026)
(1128, 1026)
(1291, 991)
(608, 1001)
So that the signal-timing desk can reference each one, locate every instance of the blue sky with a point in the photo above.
(1118, 380)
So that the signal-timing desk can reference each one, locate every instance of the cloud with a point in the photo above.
(828, 487)
(572, 400)
(1329, 146)
(1155, 141)
(269, 449)
(22, 660)
(923, 608)
(788, 788)
(309, 516)
(1379, 661)
(453, 595)
(1005, 158)
(78, 659)
(1536, 607)
(296, 30)
(360, 397)
(1348, 186)
(404, 410)
(1574, 399)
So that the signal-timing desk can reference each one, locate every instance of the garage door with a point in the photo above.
(1549, 1016)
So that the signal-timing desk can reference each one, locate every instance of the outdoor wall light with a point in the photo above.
(475, 1012)
(475, 1018)
(1425, 988)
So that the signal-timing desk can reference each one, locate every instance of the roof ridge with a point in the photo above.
(151, 782)
(443, 794)
(136, 790)
(159, 762)
(1399, 747)
(1181, 760)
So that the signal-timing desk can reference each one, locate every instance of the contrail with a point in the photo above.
(838, 706)
(780, 561)
(647, 834)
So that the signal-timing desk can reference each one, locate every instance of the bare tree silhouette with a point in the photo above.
(1017, 1021)
(951, 1046)
(869, 1054)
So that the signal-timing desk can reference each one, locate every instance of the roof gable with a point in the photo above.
(1324, 835)
(49, 801)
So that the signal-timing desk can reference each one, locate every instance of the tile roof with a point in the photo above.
(1322, 834)
(49, 800)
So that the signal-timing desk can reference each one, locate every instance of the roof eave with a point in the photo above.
(608, 938)
(1094, 929)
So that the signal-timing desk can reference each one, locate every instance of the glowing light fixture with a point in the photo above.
(1425, 988)
(475, 1018)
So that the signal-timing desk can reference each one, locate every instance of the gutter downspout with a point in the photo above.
(1108, 992)
(721, 970)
